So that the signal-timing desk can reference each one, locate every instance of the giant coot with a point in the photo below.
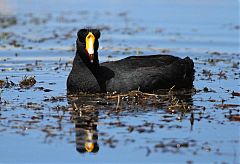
(144, 73)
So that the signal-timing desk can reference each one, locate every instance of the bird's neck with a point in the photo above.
(83, 60)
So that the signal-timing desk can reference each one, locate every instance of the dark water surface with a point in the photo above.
(41, 124)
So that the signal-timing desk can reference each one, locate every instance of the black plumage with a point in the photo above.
(146, 73)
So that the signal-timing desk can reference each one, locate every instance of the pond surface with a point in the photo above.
(42, 124)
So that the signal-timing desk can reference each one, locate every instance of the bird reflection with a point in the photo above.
(85, 112)
(85, 119)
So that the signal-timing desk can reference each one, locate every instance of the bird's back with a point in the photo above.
(149, 73)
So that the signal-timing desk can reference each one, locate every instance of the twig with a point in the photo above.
(130, 93)
(116, 96)
(75, 105)
(118, 102)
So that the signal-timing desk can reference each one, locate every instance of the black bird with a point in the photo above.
(144, 73)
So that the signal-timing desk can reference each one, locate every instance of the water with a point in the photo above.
(41, 125)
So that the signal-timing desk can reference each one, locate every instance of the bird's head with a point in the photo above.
(88, 42)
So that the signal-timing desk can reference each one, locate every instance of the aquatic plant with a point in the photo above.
(27, 81)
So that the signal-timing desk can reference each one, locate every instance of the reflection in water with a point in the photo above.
(85, 119)
(85, 113)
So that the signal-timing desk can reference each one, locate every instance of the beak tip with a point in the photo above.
(91, 56)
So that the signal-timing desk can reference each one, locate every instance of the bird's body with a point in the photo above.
(144, 73)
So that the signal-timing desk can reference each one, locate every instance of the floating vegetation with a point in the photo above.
(235, 93)
(138, 98)
(6, 83)
(27, 82)
(224, 106)
(6, 21)
(176, 103)
(234, 117)
(2, 83)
